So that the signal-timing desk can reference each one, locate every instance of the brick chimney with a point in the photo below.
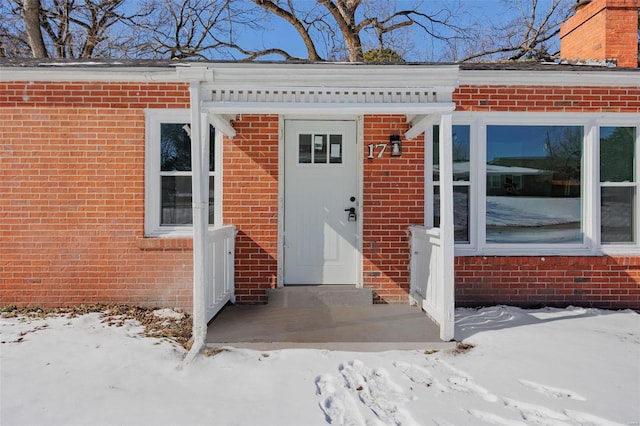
(602, 30)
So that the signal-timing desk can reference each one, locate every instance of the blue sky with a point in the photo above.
(423, 48)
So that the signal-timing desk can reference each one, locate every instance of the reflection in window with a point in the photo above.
(618, 187)
(460, 212)
(175, 147)
(319, 148)
(534, 184)
(461, 138)
(304, 149)
(176, 200)
(335, 149)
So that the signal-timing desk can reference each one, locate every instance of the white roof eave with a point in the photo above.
(548, 78)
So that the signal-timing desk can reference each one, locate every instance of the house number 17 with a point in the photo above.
(380, 147)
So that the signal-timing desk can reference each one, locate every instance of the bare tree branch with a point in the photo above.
(524, 37)
(290, 17)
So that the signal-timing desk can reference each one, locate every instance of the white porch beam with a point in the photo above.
(223, 124)
(355, 108)
(447, 226)
(418, 125)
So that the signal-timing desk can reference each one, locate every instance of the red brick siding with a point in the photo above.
(251, 203)
(603, 29)
(72, 198)
(94, 95)
(547, 99)
(393, 199)
(599, 281)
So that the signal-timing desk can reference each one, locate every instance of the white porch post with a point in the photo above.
(447, 225)
(200, 191)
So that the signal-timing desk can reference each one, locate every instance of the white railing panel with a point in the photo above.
(429, 287)
(219, 277)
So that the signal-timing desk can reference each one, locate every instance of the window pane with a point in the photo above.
(461, 152)
(460, 212)
(176, 200)
(304, 149)
(175, 150)
(533, 178)
(212, 151)
(617, 154)
(617, 215)
(335, 149)
(319, 148)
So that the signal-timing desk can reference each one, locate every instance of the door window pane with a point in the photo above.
(534, 184)
(304, 149)
(617, 214)
(617, 154)
(335, 149)
(320, 149)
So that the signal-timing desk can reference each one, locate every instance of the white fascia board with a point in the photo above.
(89, 74)
(334, 75)
(325, 108)
(549, 78)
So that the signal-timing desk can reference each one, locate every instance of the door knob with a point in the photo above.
(351, 217)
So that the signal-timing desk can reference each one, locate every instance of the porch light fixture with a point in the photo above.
(396, 145)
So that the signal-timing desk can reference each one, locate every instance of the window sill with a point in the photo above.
(165, 244)
(550, 251)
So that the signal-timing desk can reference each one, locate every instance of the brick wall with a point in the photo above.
(72, 197)
(547, 99)
(598, 281)
(393, 199)
(72, 204)
(250, 176)
(602, 29)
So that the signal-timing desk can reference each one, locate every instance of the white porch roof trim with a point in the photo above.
(231, 89)
(283, 100)
(417, 104)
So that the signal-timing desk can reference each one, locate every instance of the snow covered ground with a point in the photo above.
(541, 367)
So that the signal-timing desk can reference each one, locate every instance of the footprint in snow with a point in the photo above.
(587, 419)
(537, 414)
(375, 390)
(494, 419)
(462, 382)
(338, 405)
(419, 375)
(552, 391)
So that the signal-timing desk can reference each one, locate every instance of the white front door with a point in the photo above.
(321, 185)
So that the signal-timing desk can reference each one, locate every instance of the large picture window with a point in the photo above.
(169, 193)
(541, 184)
(534, 184)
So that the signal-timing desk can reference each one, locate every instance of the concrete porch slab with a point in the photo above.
(369, 328)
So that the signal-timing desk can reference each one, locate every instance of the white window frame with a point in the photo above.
(469, 184)
(153, 188)
(591, 122)
(613, 248)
